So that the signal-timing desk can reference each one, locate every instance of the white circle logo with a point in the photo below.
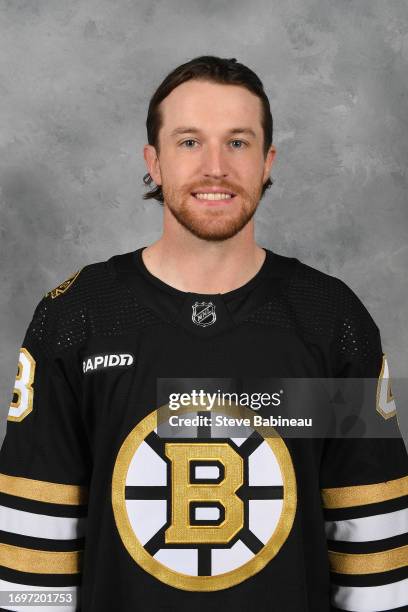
(203, 514)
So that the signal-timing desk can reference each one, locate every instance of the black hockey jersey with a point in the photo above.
(102, 507)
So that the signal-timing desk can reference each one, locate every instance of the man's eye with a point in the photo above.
(185, 143)
(189, 140)
(240, 141)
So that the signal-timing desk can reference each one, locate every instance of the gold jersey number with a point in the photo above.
(23, 392)
(385, 399)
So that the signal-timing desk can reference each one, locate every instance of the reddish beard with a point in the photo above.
(212, 223)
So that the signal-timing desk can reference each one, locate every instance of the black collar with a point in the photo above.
(204, 315)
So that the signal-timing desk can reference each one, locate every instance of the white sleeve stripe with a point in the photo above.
(14, 586)
(367, 599)
(41, 525)
(369, 528)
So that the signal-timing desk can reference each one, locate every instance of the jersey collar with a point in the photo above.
(201, 314)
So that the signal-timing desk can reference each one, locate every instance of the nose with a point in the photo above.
(214, 163)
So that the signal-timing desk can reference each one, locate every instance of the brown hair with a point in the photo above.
(216, 70)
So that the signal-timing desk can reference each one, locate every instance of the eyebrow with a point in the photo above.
(193, 130)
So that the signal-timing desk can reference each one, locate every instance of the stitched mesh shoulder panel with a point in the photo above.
(94, 305)
(317, 304)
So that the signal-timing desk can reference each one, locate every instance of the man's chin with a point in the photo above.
(215, 229)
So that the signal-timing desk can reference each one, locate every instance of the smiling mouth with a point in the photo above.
(213, 197)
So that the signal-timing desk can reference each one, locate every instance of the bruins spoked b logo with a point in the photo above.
(202, 514)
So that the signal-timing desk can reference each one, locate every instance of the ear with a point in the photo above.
(270, 157)
(152, 163)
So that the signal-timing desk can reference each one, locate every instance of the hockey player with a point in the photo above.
(98, 505)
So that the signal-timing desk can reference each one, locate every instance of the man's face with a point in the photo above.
(211, 138)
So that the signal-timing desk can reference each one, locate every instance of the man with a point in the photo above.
(117, 488)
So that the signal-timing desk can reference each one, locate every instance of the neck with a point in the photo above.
(191, 264)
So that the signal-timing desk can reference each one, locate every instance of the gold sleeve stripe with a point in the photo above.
(40, 561)
(43, 491)
(346, 497)
(368, 563)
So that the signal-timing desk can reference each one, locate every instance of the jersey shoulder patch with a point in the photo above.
(64, 286)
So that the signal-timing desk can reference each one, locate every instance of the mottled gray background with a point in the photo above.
(75, 81)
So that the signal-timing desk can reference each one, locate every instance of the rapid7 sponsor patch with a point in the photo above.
(107, 360)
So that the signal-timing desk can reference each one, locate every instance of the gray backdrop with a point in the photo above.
(75, 81)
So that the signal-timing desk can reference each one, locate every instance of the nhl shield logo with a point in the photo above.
(204, 314)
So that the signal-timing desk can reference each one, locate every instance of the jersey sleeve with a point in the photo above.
(44, 470)
(364, 480)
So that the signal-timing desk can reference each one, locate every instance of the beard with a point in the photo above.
(212, 223)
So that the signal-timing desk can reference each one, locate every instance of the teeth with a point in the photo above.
(213, 196)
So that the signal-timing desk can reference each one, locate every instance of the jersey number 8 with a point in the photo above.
(23, 392)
